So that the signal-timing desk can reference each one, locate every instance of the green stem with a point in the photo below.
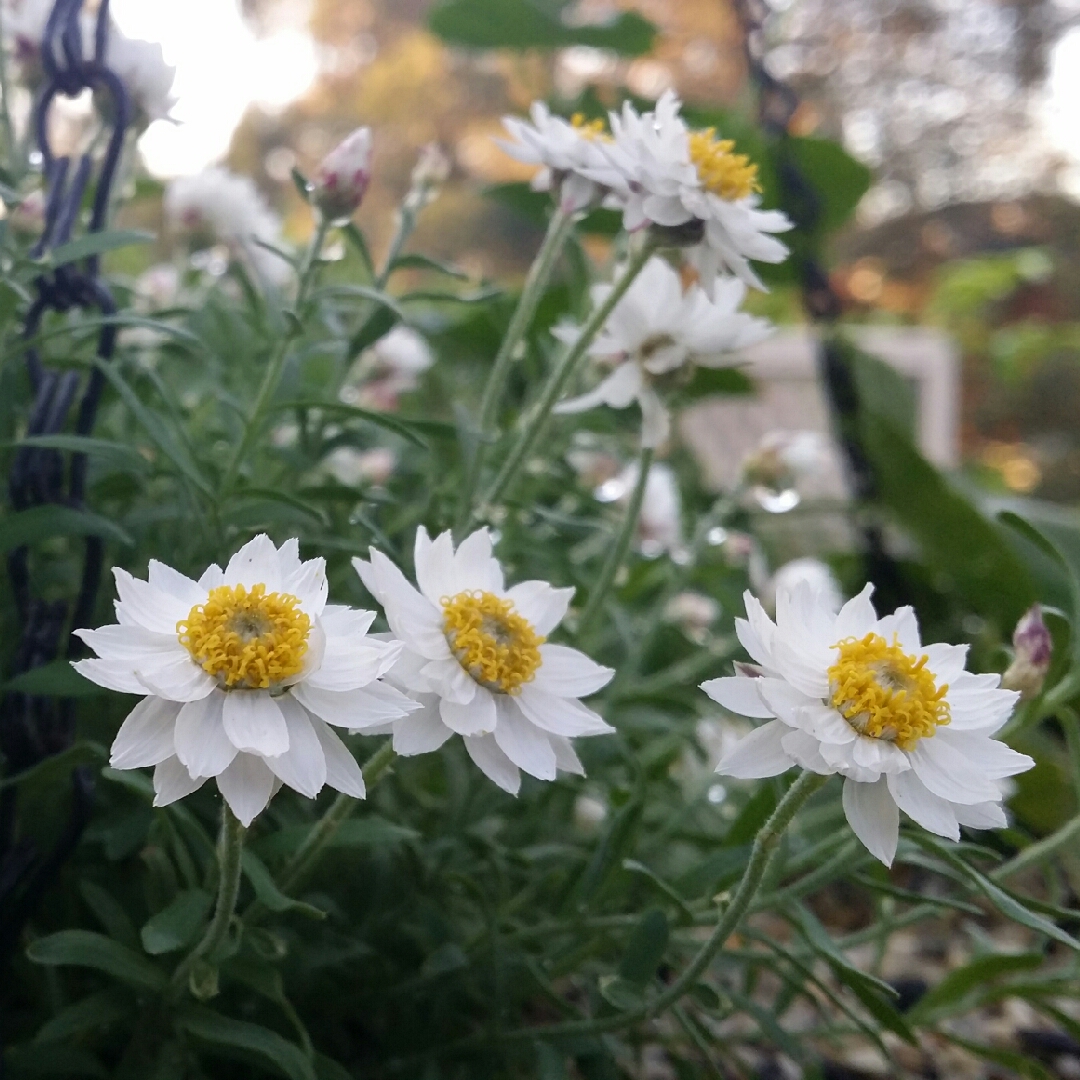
(567, 365)
(559, 228)
(230, 849)
(617, 552)
(308, 854)
(406, 224)
(16, 168)
(276, 364)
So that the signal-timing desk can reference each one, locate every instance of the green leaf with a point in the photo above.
(268, 892)
(285, 499)
(83, 948)
(616, 991)
(48, 1060)
(267, 1046)
(96, 1011)
(645, 949)
(527, 24)
(753, 815)
(110, 913)
(356, 238)
(44, 522)
(82, 751)
(367, 831)
(406, 429)
(117, 454)
(949, 994)
(54, 679)
(1008, 1059)
(96, 244)
(178, 924)
(377, 325)
(609, 853)
(709, 382)
(839, 180)
(414, 261)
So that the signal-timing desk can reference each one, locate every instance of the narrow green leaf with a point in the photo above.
(949, 994)
(268, 892)
(377, 325)
(645, 949)
(82, 751)
(404, 428)
(118, 454)
(709, 382)
(83, 948)
(251, 1039)
(356, 238)
(414, 261)
(1008, 1059)
(616, 991)
(44, 522)
(96, 1011)
(110, 913)
(285, 499)
(96, 244)
(55, 679)
(178, 924)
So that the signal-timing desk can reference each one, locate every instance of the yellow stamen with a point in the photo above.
(886, 693)
(492, 642)
(731, 176)
(590, 129)
(247, 640)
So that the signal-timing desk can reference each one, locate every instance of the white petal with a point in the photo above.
(256, 563)
(655, 419)
(992, 757)
(434, 560)
(738, 695)
(247, 785)
(342, 772)
(412, 617)
(493, 763)
(474, 565)
(542, 604)
(927, 809)
(758, 755)
(945, 661)
(421, 732)
(134, 646)
(172, 781)
(110, 675)
(303, 765)
(806, 751)
(450, 680)
(522, 742)
(786, 702)
(559, 715)
(309, 585)
(873, 817)
(987, 815)
(145, 605)
(341, 621)
(201, 742)
(475, 718)
(566, 759)
(857, 617)
(369, 707)
(254, 723)
(949, 773)
(976, 703)
(174, 583)
(180, 679)
(826, 725)
(146, 736)
(903, 624)
(569, 673)
(350, 662)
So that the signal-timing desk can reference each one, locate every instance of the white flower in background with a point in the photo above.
(476, 655)
(218, 205)
(693, 611)
(158, 287)
(244, 671)
(659, 526)
(781, 464)
(343, 176)
(390, 368)
(654, 330)
(659, 172)
(24, 30)
(846, 692)
(148, 79)
(565, 150)
(354, 467)
(803, 571)
(28, 217)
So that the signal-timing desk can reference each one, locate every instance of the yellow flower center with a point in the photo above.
(248, 640)
(886, 693)
(492, 642)
(590, 129)
(731, 176)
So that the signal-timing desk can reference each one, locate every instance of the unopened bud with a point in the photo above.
(693, 611)
(28, 218)
(431, 171)
(343, 176)
(1033, 651)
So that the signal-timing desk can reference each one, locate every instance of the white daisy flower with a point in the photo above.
(243, 672)
(846, 692)
(476, 655)
(564, 149)
(149, 80)
(659, 172)
(654, 330)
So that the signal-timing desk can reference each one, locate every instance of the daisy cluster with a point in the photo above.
(247, 674)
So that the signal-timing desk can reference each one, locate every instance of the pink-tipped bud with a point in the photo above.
(343, 176)
(1033, 651)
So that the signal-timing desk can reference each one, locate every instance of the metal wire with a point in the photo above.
(34, 727)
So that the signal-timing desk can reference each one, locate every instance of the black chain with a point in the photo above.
(34, 727)
(777, 105)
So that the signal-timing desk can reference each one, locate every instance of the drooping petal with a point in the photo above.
(172, 781)
(923, 807)
(493, 763)
(112, 676)
(569, 673)
(738, 695)
(246, 785)
(566, 759)
(987, 815)
(758, 754)
(421, 732)
(478, 717)
(342, 771)
(559, 715)
(991, 756)
(146, 736)
(873, 817)
(542, 604)
(202, 744)
(303, 765)
(254, 724)
(523, 743)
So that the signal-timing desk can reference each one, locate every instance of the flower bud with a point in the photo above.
(431, 171)
(28, 217)
(343, 176)
(1033, 651)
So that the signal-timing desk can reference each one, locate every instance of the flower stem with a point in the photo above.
(617, 552)
(308, 854)
(276, 364)
(536, 282)
(229, 850)
(533, 424)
